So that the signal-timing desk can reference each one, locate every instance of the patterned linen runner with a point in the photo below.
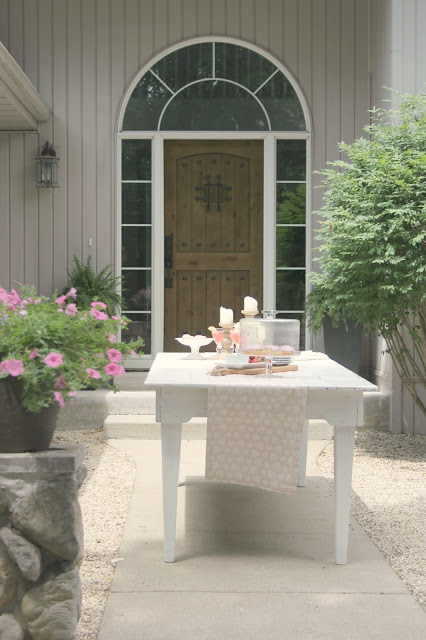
(254, 435)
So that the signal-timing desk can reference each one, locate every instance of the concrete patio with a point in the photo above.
(250, 564)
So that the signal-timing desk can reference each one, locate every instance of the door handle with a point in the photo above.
(168, 260)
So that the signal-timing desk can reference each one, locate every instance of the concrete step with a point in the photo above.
(131, 381)
(90, 408)
(144, 427)
(376, 410)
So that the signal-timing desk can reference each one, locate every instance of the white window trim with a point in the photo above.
(157, 175)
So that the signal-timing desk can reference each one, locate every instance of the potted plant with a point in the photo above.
(372, 252)
(49, 349)
(92, 286)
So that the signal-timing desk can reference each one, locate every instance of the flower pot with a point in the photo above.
(343, 346)
(22, 430)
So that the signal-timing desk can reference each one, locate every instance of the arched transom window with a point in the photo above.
(214, 86)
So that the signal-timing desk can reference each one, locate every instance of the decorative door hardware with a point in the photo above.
(213, 193)
(168, 260)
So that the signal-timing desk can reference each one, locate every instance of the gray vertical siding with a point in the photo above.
(408, 76)
(398, 61)
(81, 55)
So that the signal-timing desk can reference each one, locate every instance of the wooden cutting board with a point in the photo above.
(259, 370)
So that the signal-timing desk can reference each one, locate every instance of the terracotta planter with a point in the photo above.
(22, 430)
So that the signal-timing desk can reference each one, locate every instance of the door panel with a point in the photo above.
(213, 215)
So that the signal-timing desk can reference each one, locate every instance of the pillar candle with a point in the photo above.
(226, 316)
(250, 304)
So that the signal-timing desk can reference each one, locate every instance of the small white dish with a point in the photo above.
(194, 343)
(236, 358)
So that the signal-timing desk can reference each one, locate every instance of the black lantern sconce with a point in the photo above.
(47, 167)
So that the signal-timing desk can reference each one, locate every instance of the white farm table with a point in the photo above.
(334, 394)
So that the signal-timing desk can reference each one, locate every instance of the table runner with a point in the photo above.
(254, 433)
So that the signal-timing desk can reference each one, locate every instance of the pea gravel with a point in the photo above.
(104, 499)
(389, 502)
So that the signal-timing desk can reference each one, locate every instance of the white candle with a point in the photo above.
(226, 316)
(250, 304)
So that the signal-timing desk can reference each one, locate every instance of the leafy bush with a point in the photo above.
(373, 238)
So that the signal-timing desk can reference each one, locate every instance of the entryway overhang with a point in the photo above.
(21, 106)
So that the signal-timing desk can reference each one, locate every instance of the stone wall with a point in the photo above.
(41, 544)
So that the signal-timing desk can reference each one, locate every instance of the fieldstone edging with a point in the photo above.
(41, 543)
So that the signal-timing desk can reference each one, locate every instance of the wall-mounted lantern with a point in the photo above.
(47, 167)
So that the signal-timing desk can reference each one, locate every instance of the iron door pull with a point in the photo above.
(168, 260)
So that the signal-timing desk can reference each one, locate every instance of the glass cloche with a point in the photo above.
(269, 335)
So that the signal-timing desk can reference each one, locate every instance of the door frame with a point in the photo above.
(269, 203)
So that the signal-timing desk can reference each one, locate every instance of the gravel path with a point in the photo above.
(389, 501)
(104, 499)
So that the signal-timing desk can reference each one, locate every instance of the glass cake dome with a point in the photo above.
(269, 335)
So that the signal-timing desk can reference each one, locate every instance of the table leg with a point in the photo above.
(303, 456)
(344, 439)
(171, 434)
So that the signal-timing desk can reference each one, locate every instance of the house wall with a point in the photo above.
(408, 76)
(398, 61)
(81, 55)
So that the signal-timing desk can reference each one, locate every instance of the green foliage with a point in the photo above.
(94, 286)
(49, 349)
(372, 255)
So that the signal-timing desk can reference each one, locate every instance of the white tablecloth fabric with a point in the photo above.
(254, 433)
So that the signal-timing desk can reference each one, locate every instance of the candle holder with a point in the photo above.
(226, 342)
(249, 314)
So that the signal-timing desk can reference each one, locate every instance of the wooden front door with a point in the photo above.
(213, 232)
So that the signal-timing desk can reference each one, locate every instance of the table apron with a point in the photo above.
(339, 408)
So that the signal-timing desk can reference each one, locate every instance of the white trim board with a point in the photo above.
(269, 202)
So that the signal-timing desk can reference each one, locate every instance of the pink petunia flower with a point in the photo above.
(72, 293)
(14, 298)
(53, 360)
(115, 317)
(71, 310)
(59, 398)
(13, 367)
(60, 310)
(23, 313)
(60, 383)
(114, 355)
(4, 296)
(33, 354)
(112, 338)
(98, 305)
(133, 353)
(72, 394)
(113, 369)
(61, 300)
(92, 373)
(99, 315)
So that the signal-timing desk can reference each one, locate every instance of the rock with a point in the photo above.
(3, 503)
(10, 629)
(24, 553)
(81, 474)
(52, 610)
(49, 514)
(7, 582)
